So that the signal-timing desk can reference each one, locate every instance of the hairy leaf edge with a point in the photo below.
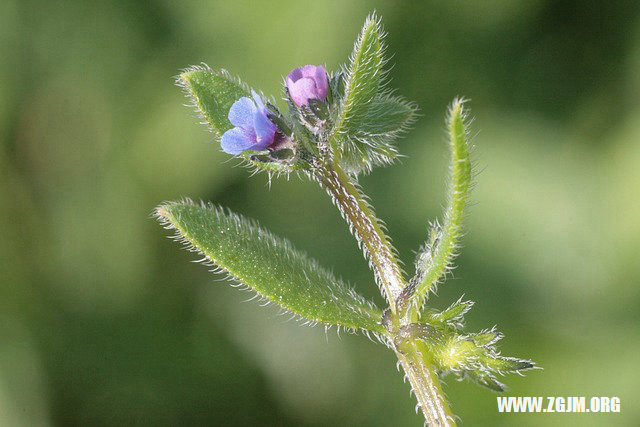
(162, 214)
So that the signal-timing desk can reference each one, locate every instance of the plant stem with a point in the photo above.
(425, 384)
(378, 250)
(364, 225)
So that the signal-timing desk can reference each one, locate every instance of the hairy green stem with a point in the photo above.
(425, 383)
(378, 250)
(364, 225)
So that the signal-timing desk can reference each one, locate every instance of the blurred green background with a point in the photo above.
(104, 321)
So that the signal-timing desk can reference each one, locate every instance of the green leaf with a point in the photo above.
(507, 364)
(387, 117)
(486, 338)
(452, 315)
(270, 266)
(366, 122)
(369, 140)
(489, 366)
(363, 78)
(486, 379)
(213, 92)
(436, 257)
(475, 357)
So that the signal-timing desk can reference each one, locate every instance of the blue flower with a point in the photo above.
(253, 130)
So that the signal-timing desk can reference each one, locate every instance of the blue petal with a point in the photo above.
(258, 100)
(241, 112)
(236, 140)
(265, 130)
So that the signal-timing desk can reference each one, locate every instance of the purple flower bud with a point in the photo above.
(253, 130)
(308, 82)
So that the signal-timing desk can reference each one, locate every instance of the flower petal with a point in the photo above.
(295, 75)
(265, 130)
(309, 71)
(258, 100)
(303, 90)
(322, 82)
(241, 112)
(236, 140)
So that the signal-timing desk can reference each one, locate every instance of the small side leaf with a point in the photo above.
(270, 266)
(486, 338)
(486, 379)
(452, 316)
(213, 92)
(387, 116)
(476, 357)
(369, 141)
(508, 364)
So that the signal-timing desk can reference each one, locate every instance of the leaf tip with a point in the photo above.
(373, 20)
(162, 212)
(165, 212)
(457, 110)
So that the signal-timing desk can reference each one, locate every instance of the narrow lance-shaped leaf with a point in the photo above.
(363, 78)
(475, 357)
(368, 119)
(270, 266)
(360, 86)
(452, 315)
(436, 257)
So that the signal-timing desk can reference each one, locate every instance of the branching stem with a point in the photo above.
(378, 250)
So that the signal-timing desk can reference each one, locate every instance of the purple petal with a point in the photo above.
(295, 75)
(289, 82)
(236, 140)
(303, 90)
(309, 71)
(322, 82)
(241, 113)
(308, 82)
(265, 130)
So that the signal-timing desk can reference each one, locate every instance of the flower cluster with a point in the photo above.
(254, 129)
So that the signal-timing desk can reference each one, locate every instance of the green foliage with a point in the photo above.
(452, 316)
(435, 258)
(473, 356)
(213, 92)
(367, 119)
(270, 266)
(97, 323)
(363, 77)
(333, 139)
(386, 117)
